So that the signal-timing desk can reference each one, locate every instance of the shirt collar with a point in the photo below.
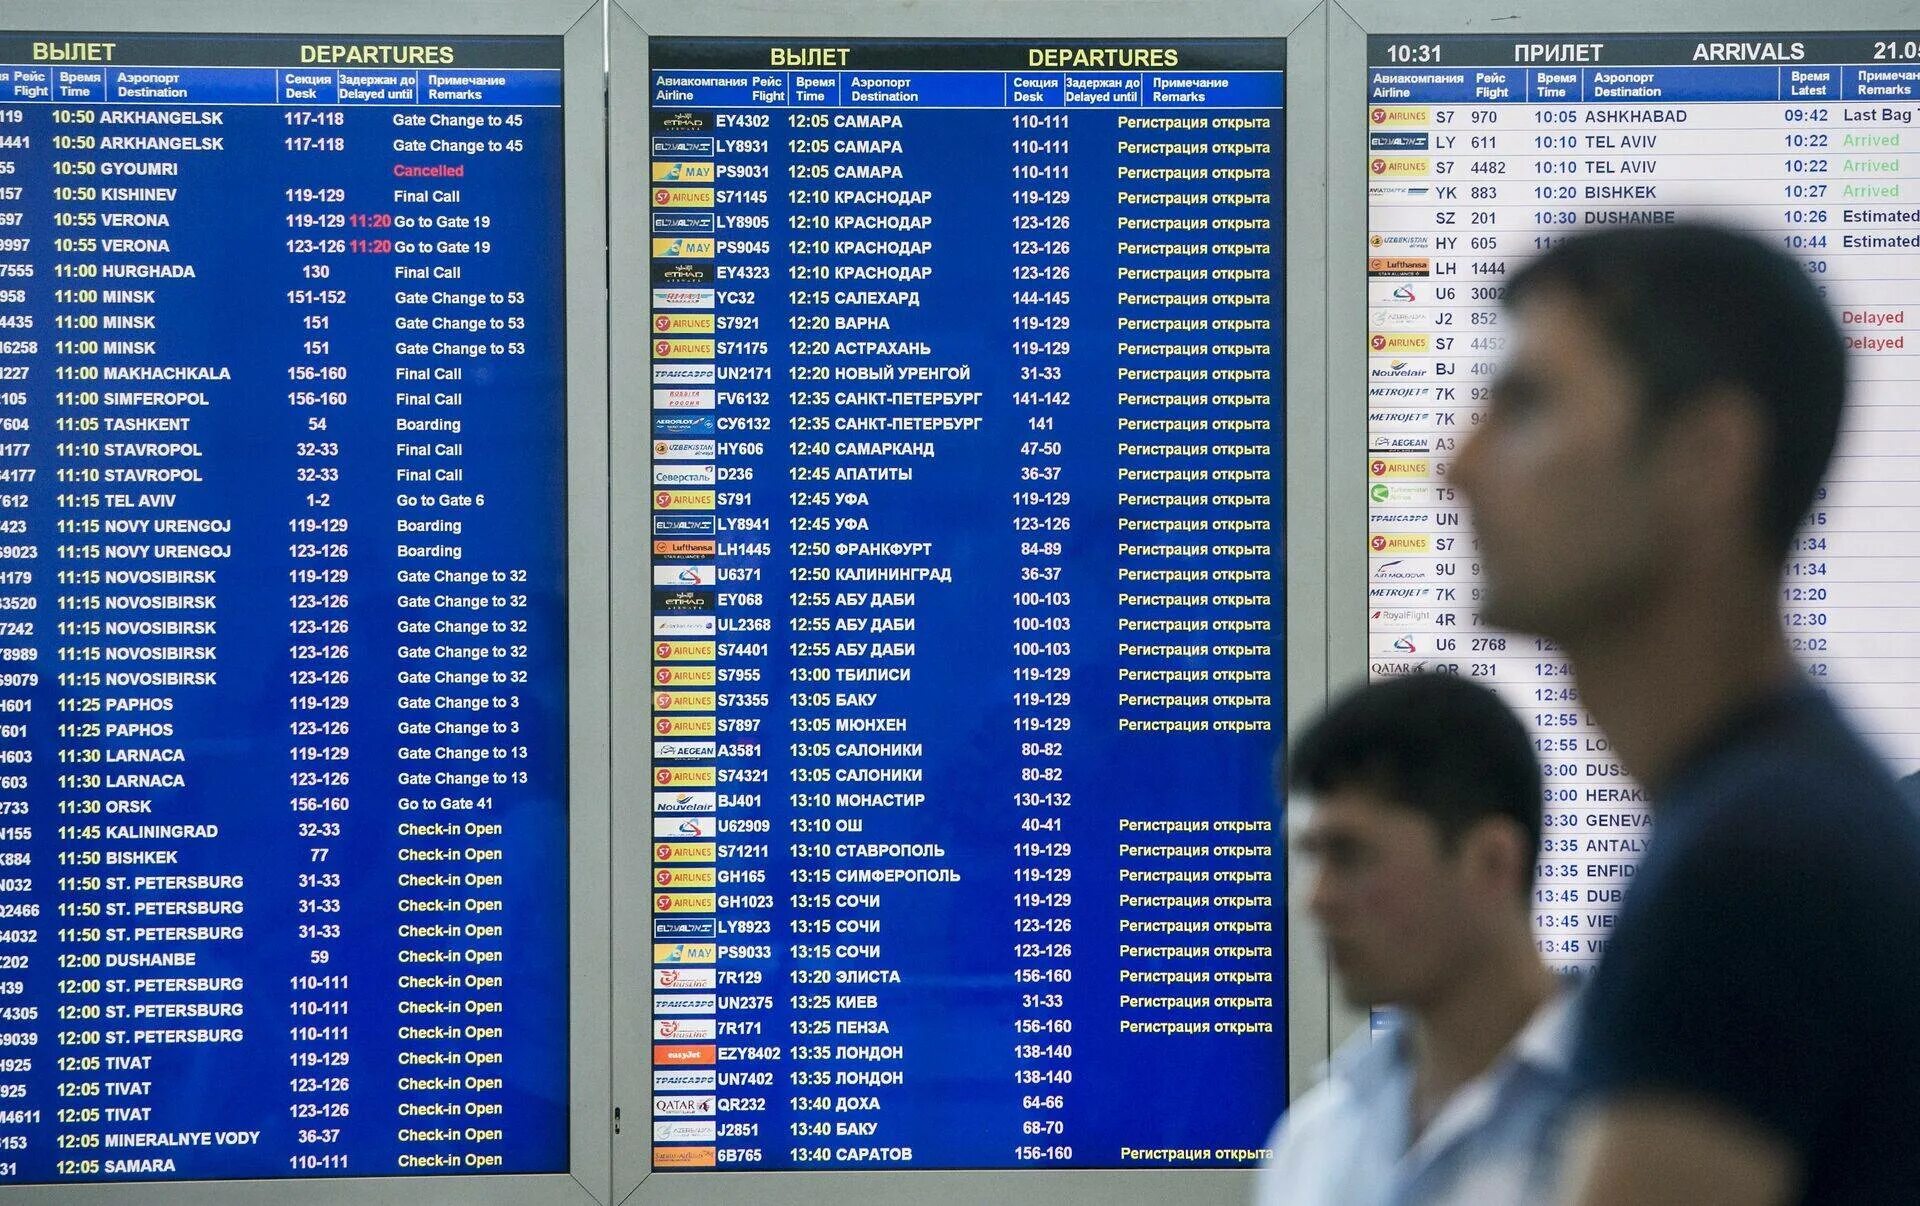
(1368, 1062)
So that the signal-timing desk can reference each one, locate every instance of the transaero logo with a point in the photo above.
(682, 374)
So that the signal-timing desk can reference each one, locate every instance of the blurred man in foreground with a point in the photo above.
(1422, 827)
(1670, 405)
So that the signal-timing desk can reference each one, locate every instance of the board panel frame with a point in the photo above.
(581, 23)
(1350, 23)
(630, 23)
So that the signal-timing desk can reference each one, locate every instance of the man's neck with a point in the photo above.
(1664, 680)
(1459, 1034)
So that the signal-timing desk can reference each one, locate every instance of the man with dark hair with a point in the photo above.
(1422, 825)
(1672, 397)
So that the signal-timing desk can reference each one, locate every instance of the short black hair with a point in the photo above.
(1691, 307)
(1438, 744)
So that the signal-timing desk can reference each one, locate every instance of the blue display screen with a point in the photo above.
(283, 682)
(968, 574)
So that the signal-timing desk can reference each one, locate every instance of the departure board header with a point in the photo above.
(59, 48)
(976, 54)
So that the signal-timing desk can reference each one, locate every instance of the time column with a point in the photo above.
(320, 232)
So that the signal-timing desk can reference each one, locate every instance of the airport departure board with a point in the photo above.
(967, 417)
(1481, 153)
(282, 637)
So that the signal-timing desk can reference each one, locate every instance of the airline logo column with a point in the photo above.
(683, 711)
(1409, 420)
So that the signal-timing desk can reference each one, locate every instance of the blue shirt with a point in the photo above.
(1348, 1141)
(1767, 957)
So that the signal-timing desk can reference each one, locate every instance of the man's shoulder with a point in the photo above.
(1807, 795)
(1354, 1084)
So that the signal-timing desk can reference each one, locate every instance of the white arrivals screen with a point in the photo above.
(1484, 151)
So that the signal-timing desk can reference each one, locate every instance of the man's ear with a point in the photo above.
(1497, 856)
(1712, 462)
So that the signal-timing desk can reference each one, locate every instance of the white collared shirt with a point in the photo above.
(1493, 1143)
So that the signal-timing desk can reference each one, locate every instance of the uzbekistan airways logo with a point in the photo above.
(1404, 294)
(1404, 645)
